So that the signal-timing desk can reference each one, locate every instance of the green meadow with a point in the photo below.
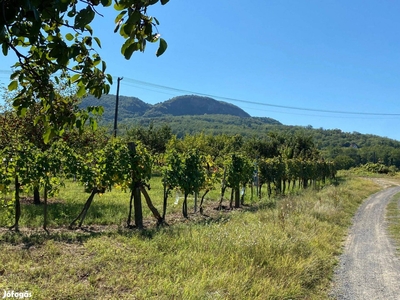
(272, 248)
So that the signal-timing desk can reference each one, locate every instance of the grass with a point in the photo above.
(277, 249)
(110, 208)
(106, 209)
(393, 218)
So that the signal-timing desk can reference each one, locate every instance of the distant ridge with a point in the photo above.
(130, 107)
(194, 105)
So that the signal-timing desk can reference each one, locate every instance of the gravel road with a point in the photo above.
(368, 267)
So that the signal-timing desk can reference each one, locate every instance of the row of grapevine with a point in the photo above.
(129, 166)
(192, 172)
(285, 172)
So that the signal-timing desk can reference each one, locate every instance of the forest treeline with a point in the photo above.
(346, 149)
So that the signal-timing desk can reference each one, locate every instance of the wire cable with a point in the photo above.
(150, 86)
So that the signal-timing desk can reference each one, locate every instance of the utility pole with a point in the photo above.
(116, 107)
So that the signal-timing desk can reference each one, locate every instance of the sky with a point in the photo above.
(331, 64)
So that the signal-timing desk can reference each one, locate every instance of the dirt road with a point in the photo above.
(368, 267)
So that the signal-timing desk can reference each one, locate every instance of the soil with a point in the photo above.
(368, 267)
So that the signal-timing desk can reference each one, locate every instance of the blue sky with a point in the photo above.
(313, 55)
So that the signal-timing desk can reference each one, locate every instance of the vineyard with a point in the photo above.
(193, 166)
(112, 214)
(88, 215)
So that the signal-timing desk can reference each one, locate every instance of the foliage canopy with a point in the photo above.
(54, 42)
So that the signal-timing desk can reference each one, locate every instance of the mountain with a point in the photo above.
(130, 107)
(194, 105)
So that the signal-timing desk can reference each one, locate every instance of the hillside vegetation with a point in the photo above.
(130, 107)
(194, 114)
(194, 105)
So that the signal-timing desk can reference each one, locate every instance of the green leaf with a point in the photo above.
(69, 37)
(13, 85)
(127, 30)
(5, 49)
(48, 134)
(78, 123)
(74, 51)
(96, 110)
(84, 17)
(88, 28)
(22, 112)
(75, 77)
(88, 40)
(81, 91)
(120, 15)
(129, 51)
(104, 66)
(93, 123)
(126, 45)
(97, 41)
(134, 18)
(72, 12)
(109, 78)
(54, 53)
(36, 120)
(106, 89)
(163, 2)
(118, 6)
(100, 110)
(106, 2)
(143, 45)
(162, 47)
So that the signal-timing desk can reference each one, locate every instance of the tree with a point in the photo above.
(155, 139)
(15, 129)
(53, 42)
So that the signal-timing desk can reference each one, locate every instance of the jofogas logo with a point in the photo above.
(16, 295)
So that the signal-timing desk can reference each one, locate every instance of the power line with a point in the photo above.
(135, 84)
(360, 117)
(258, 103)
(148, 89)
(229, 99)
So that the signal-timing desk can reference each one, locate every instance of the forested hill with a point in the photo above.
(193, 114)
(130, 107)
(194, 105)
